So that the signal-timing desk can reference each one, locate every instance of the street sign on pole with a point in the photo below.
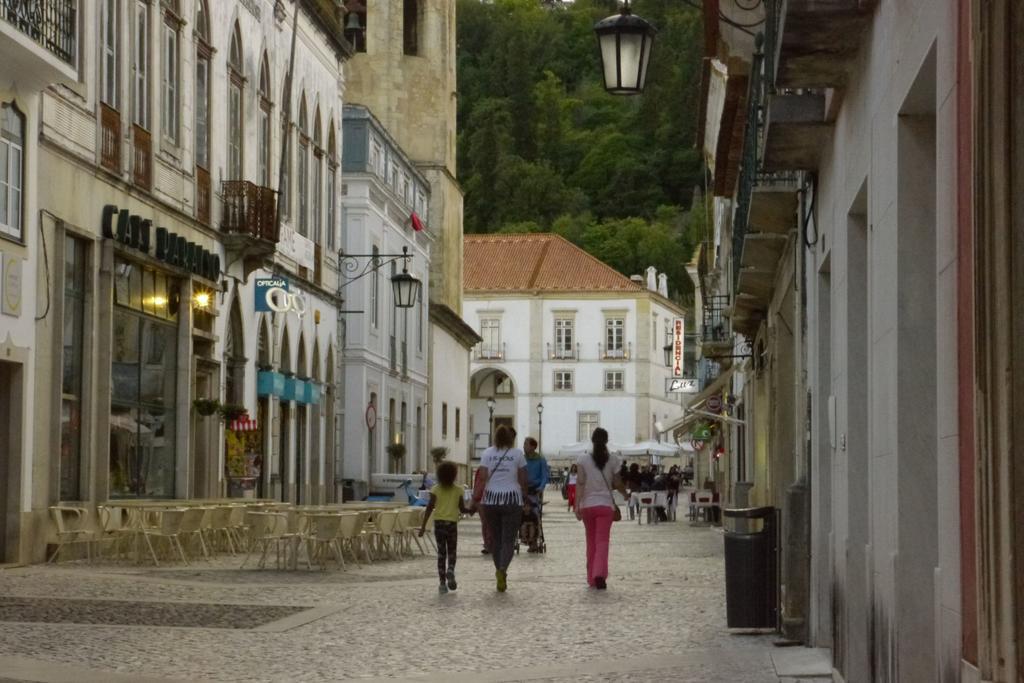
(678, 338)
(714, 404)
(681, 385)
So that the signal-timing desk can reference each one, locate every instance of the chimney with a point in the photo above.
(639, 279)
(652, 278)
(663, 285)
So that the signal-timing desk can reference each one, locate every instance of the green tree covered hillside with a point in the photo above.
(542, 147)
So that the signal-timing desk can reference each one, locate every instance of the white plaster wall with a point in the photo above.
(450, 384)
(865, 147)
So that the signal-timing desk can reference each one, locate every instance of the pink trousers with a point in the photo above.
(597, 521)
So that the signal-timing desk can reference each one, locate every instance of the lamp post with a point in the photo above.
(405, 287)
(540, 425)
(625, 41)
(490, 421)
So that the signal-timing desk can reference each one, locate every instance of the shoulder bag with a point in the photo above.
(617, 515)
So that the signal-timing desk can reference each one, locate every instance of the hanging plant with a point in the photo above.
(229, 412)
(396, 450)
(206, 406)
(438, 453)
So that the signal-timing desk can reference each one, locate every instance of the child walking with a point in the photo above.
(446, 503)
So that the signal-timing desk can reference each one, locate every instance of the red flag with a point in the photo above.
(417, 224)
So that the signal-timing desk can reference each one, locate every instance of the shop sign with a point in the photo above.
(678, 336)
(169, 248)
(701, 432)
(681, 385)
(10, 284)
(300, 249)
(272, 295)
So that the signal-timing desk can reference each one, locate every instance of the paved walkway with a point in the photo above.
(662, 618)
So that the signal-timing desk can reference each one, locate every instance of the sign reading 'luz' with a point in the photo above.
(677, 347)
(272, 295)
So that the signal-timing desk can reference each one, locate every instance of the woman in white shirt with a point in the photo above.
(597, 474)
(503, 477)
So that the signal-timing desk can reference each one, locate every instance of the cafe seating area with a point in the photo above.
(259, 533)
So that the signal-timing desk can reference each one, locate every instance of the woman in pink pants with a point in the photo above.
(598, 474)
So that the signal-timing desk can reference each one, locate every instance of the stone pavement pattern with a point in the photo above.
(662, 618)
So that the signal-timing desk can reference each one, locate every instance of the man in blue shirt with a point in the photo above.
(537, 475)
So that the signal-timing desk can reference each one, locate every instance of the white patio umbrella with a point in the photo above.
(574, 450)
(656, 448)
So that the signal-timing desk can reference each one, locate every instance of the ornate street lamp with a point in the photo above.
(625, 41)
(490, 421)
(405, 287)
(352, 267)
(540, 424)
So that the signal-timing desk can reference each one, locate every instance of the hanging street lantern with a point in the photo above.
(625, 41)
(405, 288)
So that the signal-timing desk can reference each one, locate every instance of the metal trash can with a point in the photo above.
(751, 561)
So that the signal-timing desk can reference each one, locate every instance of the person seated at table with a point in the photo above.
(633, 484)
(660, 484)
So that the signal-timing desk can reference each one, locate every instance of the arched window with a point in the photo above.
(285, 200)
(12, 169)
(332, 184)
(318, 178)
(301, 370)
(263, 349)
(169, 58)
(236, 82)
(234, 357)
(303, 174)
(285, 363)
(266, 107)
(410, 26)
(202, 133)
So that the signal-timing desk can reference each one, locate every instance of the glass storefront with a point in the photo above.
(143, 375)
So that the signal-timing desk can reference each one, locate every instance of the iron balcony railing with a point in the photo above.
(249, 209)
(715, 324)
(52, 24)
(562, 353)
(490, 352)
(751, 142)
(617, 352)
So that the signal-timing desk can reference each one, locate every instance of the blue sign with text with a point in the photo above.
(265, 287)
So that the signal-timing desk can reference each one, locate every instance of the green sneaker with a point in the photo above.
(502, 580)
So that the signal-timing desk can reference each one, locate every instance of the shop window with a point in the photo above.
(75, 284)
(143, 371)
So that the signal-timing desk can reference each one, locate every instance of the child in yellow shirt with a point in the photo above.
(446, 503)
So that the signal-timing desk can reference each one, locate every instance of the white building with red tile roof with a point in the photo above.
(567, 331)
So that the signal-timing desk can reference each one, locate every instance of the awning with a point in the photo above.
(698, 400)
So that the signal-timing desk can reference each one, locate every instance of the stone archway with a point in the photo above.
(485, 384)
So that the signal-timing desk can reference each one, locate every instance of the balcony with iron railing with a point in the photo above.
(39, 41)
(491, 352)
(715, 329)
(562, 352)
(615, 352)
(248, 222)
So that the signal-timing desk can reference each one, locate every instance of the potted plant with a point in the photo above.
(396, 450)
(206, 406)
(438, 453)
(229, 411)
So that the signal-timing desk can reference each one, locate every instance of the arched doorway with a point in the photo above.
(486, 385)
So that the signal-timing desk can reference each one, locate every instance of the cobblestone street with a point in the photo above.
(663, 618)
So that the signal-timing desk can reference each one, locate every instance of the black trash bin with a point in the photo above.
(751, 556)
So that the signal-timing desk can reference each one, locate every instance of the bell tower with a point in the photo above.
(404, 72)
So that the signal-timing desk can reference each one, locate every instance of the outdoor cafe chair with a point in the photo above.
(217, 528)
(411, 520)
(192, 526)
(71, 528)
(115, 527)
(169, 528)
(326, 538)
(648, 501)
(350, 535)
(388, 534)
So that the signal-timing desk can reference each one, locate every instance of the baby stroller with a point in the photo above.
(531, 529)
